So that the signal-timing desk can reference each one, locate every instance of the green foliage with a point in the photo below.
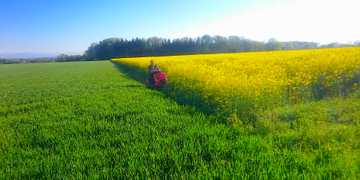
(88, 120)
(118, 47)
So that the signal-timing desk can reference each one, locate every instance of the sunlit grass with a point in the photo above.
(88, 120)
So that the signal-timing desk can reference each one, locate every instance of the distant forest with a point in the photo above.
(117, 47)
(155, 46)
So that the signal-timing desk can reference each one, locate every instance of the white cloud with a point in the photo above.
(322, 21)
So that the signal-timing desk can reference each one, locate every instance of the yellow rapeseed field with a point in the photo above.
(258, 80)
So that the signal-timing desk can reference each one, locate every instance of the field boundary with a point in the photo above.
(180, 95)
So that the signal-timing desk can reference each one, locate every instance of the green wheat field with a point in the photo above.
(92, 120)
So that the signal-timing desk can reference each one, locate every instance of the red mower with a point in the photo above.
(158, 80)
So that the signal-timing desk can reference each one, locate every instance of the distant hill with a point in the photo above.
(26, 55)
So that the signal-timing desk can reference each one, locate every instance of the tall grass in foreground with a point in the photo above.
(243, 84)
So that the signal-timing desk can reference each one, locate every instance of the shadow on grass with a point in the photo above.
(183, 97)
(133, 73)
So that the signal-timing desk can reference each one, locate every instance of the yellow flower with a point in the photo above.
(266, 78)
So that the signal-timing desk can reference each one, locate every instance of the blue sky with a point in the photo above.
(70, 26)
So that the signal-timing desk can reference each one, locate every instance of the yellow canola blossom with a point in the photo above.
(263, 79)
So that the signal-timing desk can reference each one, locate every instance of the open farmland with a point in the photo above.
(305, 99)
(91, 120)
(242, 84)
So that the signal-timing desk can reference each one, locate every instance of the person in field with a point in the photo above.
(157, 78)
(151, 70)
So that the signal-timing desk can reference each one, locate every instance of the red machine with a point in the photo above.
(160, 79)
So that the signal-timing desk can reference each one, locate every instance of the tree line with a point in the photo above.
(118, 47)
(155, 46)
